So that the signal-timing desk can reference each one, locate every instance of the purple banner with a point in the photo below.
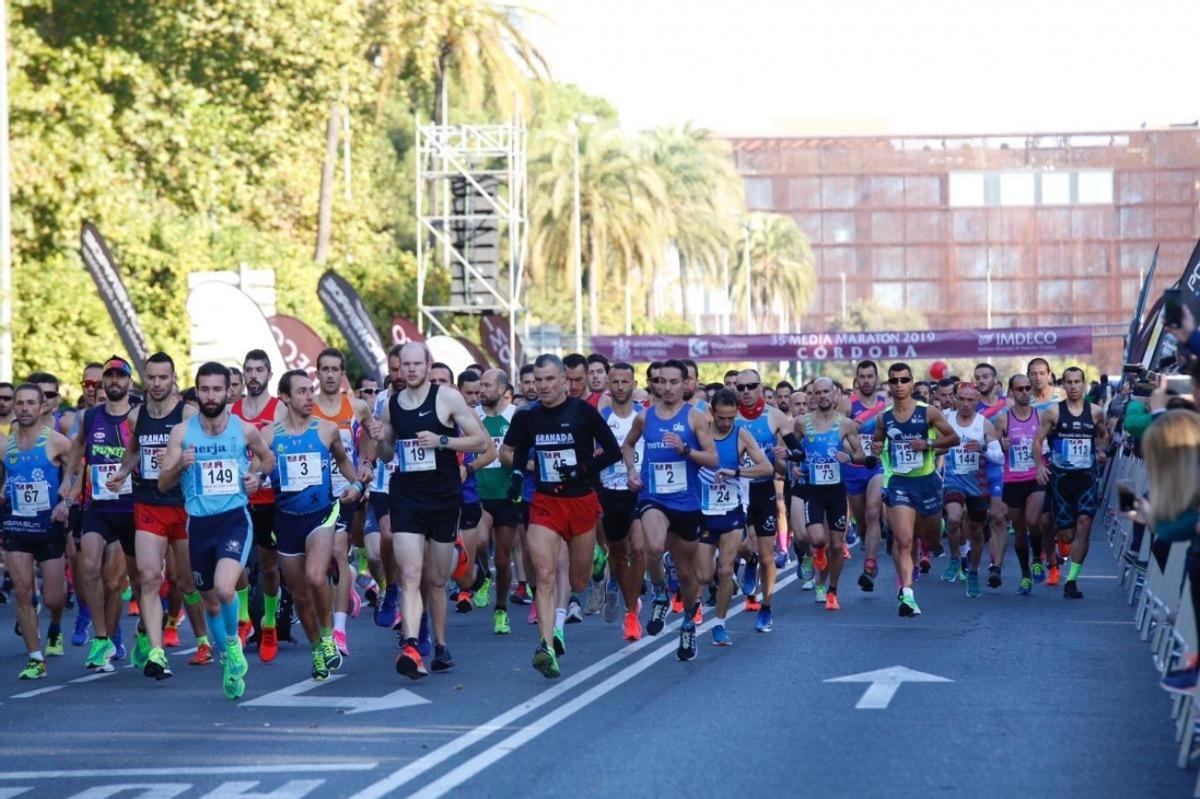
(887, 345)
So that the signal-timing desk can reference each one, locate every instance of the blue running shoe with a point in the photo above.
(852, 535)
(1026, 586)
(121, 651)
(385, 614)
(973, 585)
(720, 636)
(83, 624)
(781, 558)
(672, 574)
(424, 641)
(766, 622)
(950, 573)
(750, 577)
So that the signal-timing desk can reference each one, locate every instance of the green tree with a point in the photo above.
(781, 268)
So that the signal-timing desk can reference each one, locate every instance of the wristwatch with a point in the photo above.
(443, 442)
(687, 449)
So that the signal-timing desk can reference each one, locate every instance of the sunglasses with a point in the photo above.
(11, 397)
(747, 386)
(46, 394)
(899, 381)
(368, 391)
(1022, 388)
(91, 384)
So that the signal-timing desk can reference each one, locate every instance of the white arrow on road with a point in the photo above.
(884, 683)
(291, 697)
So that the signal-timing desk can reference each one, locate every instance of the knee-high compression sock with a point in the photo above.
(1073, 571)
(243, 604)
(1023, 558)
(216, 625)
(229, 617)
(270, 609)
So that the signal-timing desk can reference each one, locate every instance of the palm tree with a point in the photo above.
(623, 222)
(705, 196)
(480, 42)
(781, 266)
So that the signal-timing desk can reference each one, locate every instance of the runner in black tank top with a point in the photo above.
(425, 494)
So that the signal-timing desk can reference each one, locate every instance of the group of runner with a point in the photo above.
(481, 491)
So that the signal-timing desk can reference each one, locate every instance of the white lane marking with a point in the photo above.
(282, 768)
(92, 677)
(513, 742)
(292, 789)
(184, 651)
(37, 692)
(884, 683)
(1097, 577)
(290, 696)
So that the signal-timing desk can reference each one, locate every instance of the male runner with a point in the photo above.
(783, 396)
(503, 519)
(528, 387)
(577, 379)
(367, 389)
(992, 406)
(864, 487)
(90, 385)
(7, 397)
(1023, 494)
(1078, 437)
(237, 385)
(1044, 390)
(564, 434)
(691, 387)
(597, 374)
(476, 579)
(421, 432)
(260, 409)
(210, 456)
(912, 489)
(377, 528)
(306, 509)
(34, 533)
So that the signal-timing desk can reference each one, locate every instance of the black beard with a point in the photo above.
(216, 411)
(115, 393)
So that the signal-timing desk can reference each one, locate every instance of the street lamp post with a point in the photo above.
(746, 268)
(577, 227)
(989, 296)
(842, 277)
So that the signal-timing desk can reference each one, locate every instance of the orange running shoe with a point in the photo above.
(1064, 550)
(1052, 575)
(268, 644)
(633, 627)
(820, 560)
(409, 663)
(831, 601)
(698, 616)
(463, 605)
(753, 605)
(846, 556)
(171, 636)
(134, 610)
(676, 603)
(203, 656)
(244, 629)
(462, 565)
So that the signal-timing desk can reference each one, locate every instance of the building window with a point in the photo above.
(1056, 188)
(966, 189)
(1016, 188)
(889, 295)
(1029, 188)
(1095, 187)
(760, 193)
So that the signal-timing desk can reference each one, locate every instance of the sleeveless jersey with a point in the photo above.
(492, 480)
(104, 447)
(302, 470)
(860, 412)
(1073, 440)
(615, 478)
(32, 487)
(428, 478)
(821, 466)
(899, 457)
(347, 427)
(718, 499)
(963, 469)
(383, 471)
(1020, 465)
(265, 495)
(213, 484)
(760, 430)
(152, 436)
(670, 479)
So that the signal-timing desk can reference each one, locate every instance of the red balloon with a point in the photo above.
(938, 370)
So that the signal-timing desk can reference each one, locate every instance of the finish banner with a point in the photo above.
(99, 262)
(351, 317)
(896, 345)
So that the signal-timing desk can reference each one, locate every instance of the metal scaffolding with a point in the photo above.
(470, 177)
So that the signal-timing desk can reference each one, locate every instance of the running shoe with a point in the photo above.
(54, 644)
(463, 605)
(1052, 575)
(385, 615)
(574, 610)
(170, 636)
(831, 601)
(973, 584)
(243, 631)
(866, 580)
(808, 584)
(268, 644)
(339, 640)
(355, 604)
(752, 604)
(83, 623)
(633, 627)
(750, 577)
(676, 603)
(765, 622)
(141, 651)
(595, 598)
(1026, 587)
(234, 660)
(820, 559)
(100, 655)
(545, 661)
(203, 655)
(820, 594)
(234, 685)
(333, 658)
(612, 597)
(500, 625)
(599, 562)
(34, 670)
(532, 617)
(781, 558)
(658, 616)
(126, 592)
(121, 652)
(319, 670)
(950, 573)
(483, 594)
(424, 640)
(687, 642)
(1039, 571)
(807, 571)
(908, 606)
(156, 665)
(135, 610)
(720, 636)
(1179, 681)
(672, 573)
(1064, 550)
(442, 659)
(371, 594)
(409, 663)
(846, 556)
(520, 596)
(698, 616)
(852, 534)
(924, 564)
(1071, 590)
(560, 642)
(993, 577)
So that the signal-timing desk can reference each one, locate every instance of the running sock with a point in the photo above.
(660, 591)
(1073, 571)
(229, 617)
(37, 656)
(270, 609)
(1035, 541)
(326, 632)
(908, 592)
(1023, 559)
(216, 626)
(54, 630)
(560, 618)
(339, 622)
(202, 640)
(243, 605)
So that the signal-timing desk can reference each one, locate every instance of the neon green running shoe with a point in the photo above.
(34, 670)
(545, 661)
(819, 594)
(320, 671)
(908, 606)
(560, 642)
(100, 655)
(54, 644)
(127, 594)
(156, 665)
(235, 661)
(234, 687)
(483, 597)
(141, 651)
(500, 624)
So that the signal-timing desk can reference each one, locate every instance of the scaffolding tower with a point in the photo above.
(472, 220)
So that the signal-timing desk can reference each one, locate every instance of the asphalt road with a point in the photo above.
(1040, 697)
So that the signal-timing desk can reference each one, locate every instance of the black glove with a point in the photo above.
(571, 473)
(797, 455)
(516, 486)
(871, 462)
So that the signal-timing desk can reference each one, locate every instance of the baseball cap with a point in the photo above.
(119, 364)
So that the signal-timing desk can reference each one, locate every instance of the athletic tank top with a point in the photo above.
(614, 477)
(213, 484)
(302, 470)
(470, 490)
(899, 457)
(32, 487)
(760, 430)
(860, 412)
(670, 479)
(347, 427)
(427, 477)
(492, 480)
(718, 499)
(105, 436)
(265, 495)
(821, 466)
(1073, 440)
(1020, 464)
(962, 468)
(152, 437)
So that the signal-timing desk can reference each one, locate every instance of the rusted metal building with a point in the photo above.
(1055, 227)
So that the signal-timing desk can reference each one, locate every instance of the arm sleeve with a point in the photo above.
(518, 437)
(995, 454)
(605, 439)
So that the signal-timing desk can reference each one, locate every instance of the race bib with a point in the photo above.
(100, 474)
(1079, 452)
(551, 460)
(905, 458)
(151, 460)
(717, 499)
(668, 477)
(30, 499)
(219, 478)
(338, 482)
(866, 439)
(1020, 455)
(826, 473)
(496, 442)
(301, 470)
(383, 473)
(965, 462)
(414, 457)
